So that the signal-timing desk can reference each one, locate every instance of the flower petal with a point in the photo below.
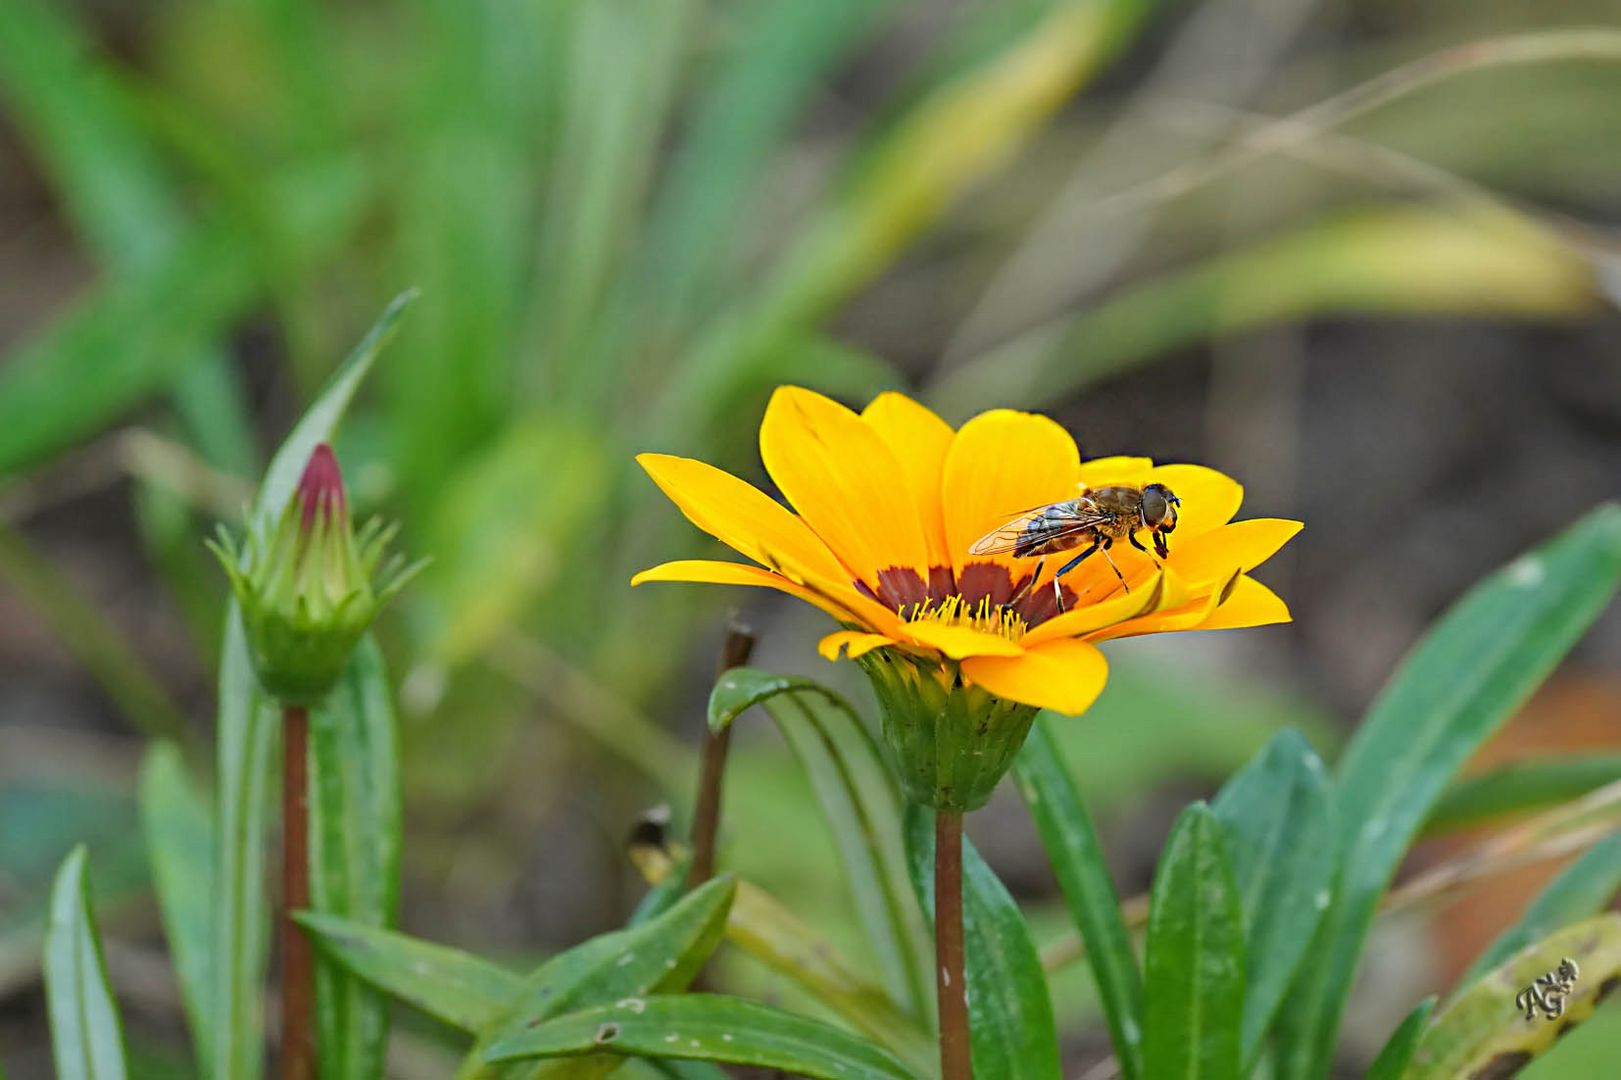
(859, 641)
(844, 480)
(1251, 604)
(960, 641)
(743, 517)
(1157, 593)
(1186, 617)
(1103, 471)
(1064, 675)
(1000, 464)
(852, 609)
(1246, 544)
(1209, 498)
(919, 440)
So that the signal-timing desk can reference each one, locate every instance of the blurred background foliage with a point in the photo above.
(1357, 253)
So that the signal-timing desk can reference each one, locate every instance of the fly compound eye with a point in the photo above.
(1155, 506)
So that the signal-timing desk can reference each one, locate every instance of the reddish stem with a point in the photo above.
(297, 961)
(951, 982)
(735, 652)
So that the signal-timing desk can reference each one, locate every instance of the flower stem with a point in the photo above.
(297, 962)
(735, 652)
(950, 973)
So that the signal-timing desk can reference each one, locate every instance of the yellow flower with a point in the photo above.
(891, 500)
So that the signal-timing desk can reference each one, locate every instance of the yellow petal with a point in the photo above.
(1104, 471)
(960, 641)
(851, 609)
(1186, 617)
(919, 440)
(743, 517)
(1246, 544)
(1251, 604)
(844, 480)
(1064, 675)
(1002, 463)
(859, 641)
(1151, 596)
(1209, 498)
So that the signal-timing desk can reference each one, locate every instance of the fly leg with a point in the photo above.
(1138, 544)
(1024, 590)
(1098, 544)
(1107, 543)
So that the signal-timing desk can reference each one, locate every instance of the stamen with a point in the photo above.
(982, 615)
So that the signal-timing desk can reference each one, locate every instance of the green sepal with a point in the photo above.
(949, 743)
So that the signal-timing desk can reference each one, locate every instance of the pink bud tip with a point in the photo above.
(320, 489)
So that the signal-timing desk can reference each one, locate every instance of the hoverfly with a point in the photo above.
(1099, 516)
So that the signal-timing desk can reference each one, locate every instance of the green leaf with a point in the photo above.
(1194, 963)
(320, 421)
(180, 846)
(247, 724)
(767, 930)
(1586, 887)
(661, 955)
(1083, 877)
(1010, 1013)
(445, 983)
(1478, 1033)
(112, 184)
(708, 1027)
(1279, 821)
(1391, 1064)
(1464, 679)
(135, 334)
(1520, 787)
(857, 795)
(354, 849)
(85, 1032)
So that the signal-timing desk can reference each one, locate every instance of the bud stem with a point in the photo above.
(735, 652)
(297, 961)
(951, 983)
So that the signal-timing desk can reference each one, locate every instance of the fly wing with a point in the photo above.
(1038, 526)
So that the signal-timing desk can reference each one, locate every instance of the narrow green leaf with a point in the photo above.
(857, 795)
(85, 1031)
(782, 54)
(708, 1027)
(1194, 963)
(1522, 787)
(1391, 1064)
(1279, 821)
(1083, 877)
(662, 955)
(1584, 888)
(1477, 1034)
(1010, 1014)
(767, 930)
(247, 725)
(1463, 680)
(135, 334)
(354, 849)
(445, 983)
(111, 182)
(321, 419)
(180, 846)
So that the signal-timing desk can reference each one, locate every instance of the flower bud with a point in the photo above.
(950, 743)
(310, 585)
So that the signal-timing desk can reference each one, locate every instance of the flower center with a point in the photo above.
(983, 616)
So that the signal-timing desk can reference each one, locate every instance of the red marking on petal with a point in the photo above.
(320, 489)
(985, 581)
